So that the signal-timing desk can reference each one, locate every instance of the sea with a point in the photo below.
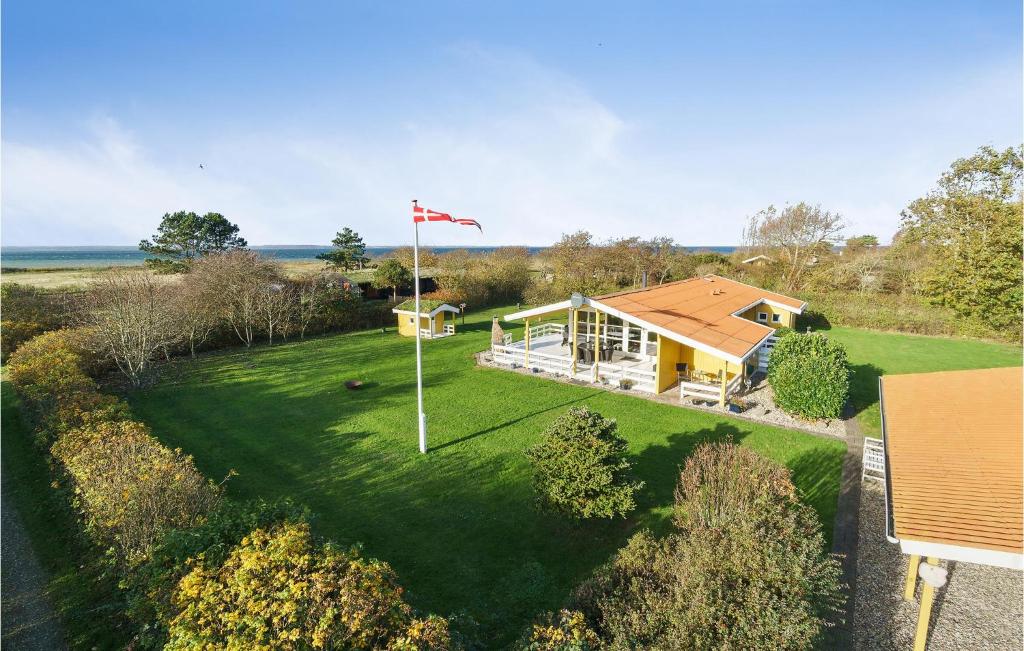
(77, 257)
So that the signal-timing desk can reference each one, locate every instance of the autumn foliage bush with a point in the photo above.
(744, 568)
(129, 488)
(280, 589)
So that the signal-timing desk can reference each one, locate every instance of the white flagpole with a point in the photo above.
(422, 417)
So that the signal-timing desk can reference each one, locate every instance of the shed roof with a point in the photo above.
(427, 306)
(703, 310)
(953, 457)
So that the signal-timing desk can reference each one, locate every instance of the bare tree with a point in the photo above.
(197, 311)
(133, 318)
(797, 233)
(275, 303)
(237, 280)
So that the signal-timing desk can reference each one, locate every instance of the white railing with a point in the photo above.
(873, 463)
(706, 391)
(426, 333)
(449, 329)
(606, 372)
(545, 329)
(609, 373)
(765, 352)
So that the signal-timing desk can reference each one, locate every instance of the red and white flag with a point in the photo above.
(426, 215)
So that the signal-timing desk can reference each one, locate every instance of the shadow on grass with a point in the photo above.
(863, 386)
(509, 423)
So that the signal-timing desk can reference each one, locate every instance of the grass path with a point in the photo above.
(873, 354)
(458, 524)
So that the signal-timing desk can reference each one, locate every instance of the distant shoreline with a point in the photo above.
(21, 259)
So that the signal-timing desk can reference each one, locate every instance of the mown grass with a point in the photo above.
(873, 354)
(87, 602)
(458, 524)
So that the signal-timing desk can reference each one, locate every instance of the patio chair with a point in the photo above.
(682, 371)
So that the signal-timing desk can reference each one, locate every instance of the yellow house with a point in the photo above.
(432, 322)
(700, 336)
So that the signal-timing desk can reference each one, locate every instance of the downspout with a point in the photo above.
(890, 525)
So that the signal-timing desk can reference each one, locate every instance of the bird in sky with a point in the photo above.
(201, 166)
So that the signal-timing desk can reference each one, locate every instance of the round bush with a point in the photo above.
(580, 467)
(809, 375)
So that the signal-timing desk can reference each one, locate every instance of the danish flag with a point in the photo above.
(426, 215)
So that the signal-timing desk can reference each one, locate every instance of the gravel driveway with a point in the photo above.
(980, 608)
(29, 622)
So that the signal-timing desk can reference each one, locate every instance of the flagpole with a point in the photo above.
(422, 417)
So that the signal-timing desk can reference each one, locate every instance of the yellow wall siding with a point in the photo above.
(406, 324)
(668, 354)
(786, 318)
(671, 353)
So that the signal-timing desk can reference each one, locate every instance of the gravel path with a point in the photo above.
(980, 608)
(29, 622)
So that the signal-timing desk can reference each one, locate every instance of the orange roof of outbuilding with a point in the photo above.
(703, 309)
(953, 449)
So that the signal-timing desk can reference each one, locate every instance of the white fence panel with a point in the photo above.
(873, 462)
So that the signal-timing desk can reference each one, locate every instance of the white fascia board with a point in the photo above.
(767, 301)
(443, 308)
(543, 309)
(965, 554)
(758, 346)
(431, 314)
(663, 332)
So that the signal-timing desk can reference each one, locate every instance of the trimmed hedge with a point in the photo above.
(809, 375)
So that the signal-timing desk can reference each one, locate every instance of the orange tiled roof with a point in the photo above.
(691, 308)
(953, 445)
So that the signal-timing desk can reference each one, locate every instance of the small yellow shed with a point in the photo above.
(432, 322)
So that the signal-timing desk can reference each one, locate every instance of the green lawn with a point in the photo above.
(882, 353)
(458, 524)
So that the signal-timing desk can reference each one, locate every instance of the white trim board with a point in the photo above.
(965, 554)
(431, 314)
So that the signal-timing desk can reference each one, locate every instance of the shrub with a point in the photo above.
(48, 370)
(809, 376)
(740, 573)
(567, 631)
(580, 467)
(129, 488)
(278, 589)
(151, 585)
(726, 483)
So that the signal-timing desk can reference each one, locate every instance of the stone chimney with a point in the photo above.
(497, 334)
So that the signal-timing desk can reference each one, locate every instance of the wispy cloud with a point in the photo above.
(524, 148)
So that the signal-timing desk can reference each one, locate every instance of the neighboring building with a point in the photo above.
(757, 260)
(702, 335)
(953, 473)
(431, 319)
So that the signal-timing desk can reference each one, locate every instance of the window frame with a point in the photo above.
(776, 318)
(762, 317)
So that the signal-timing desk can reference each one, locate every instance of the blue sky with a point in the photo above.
(674, 118)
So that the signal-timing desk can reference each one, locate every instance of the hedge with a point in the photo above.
(809, 376)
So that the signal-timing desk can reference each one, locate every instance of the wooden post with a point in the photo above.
(597, 343)
(725, 379)
(575, 329)
(911, 583)
(526, 357)
(927, 597)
